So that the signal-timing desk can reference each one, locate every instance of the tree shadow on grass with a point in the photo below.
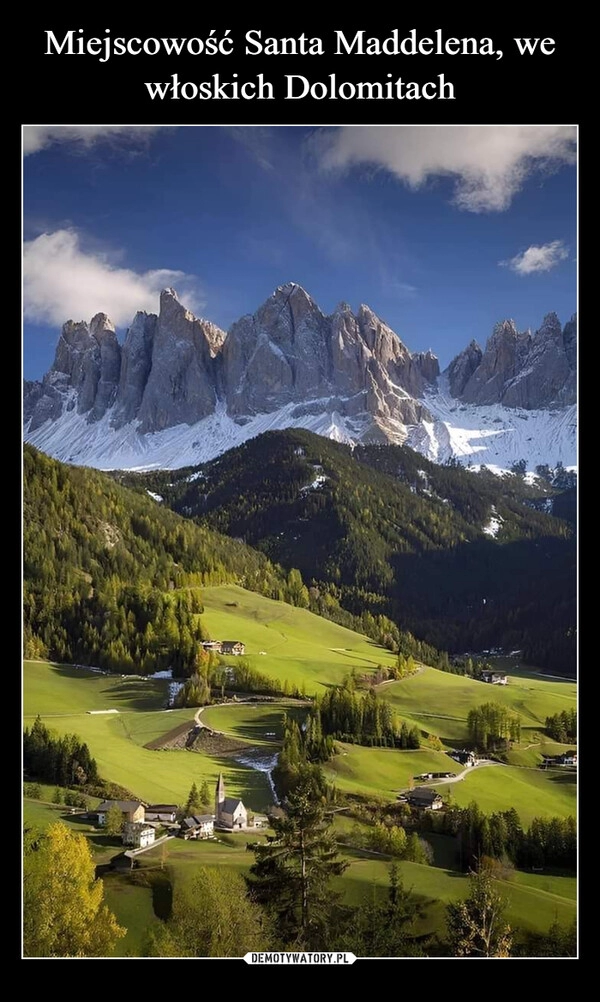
(564, 779)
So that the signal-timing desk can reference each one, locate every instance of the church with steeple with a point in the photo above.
(230, 812)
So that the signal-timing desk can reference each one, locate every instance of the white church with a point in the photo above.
(230, 812)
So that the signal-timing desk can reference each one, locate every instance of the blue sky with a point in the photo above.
(442, 231)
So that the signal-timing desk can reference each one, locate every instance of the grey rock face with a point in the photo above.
(519, 370)
(180, 388)
(278, 355)
(108, 355)
(136, 362)
(88, 361)
(462, 368)
(176, 369)
(290, 352)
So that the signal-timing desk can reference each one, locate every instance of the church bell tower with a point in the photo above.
(219, 796)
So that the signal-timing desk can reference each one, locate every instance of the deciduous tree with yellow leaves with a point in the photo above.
(64, 913)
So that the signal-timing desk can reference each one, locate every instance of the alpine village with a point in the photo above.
(300, 614)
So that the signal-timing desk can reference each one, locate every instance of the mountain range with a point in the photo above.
(181, 391)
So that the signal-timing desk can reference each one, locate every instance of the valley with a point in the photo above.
(296, 641)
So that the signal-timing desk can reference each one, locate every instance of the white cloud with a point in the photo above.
(489, 164)
(61, 281)
(536, 259)
(38, 137)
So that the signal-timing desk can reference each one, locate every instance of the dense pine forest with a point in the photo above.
(111, 579)
(384, 532)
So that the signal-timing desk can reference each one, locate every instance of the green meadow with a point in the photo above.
(440, 702)
(116, 740)
(299, 646)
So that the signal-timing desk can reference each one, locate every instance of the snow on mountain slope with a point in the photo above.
(494, 434)
(71, 439)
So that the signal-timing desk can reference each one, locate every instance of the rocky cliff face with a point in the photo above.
(347, 375)
(174, 369)
(519, 369)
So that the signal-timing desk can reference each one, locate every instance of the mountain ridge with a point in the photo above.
(347, 376)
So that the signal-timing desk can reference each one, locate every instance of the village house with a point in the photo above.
(494, 677)
(212, 645)
(132, 810)
(229, 811)
(197, 826)
(464, 757)
(567, 758)
(138, 834)
(232, 647)
(425, 798)
(161, 812)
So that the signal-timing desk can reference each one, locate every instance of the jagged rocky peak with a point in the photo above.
(462, 368)
(570, 341)
(87, 360)
(277, 355)
(519, 369)
(136, 362)
(347, 375)
(181, 384)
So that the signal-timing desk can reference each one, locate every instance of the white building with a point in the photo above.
(229, 811)
(197, 826)
(138, 834)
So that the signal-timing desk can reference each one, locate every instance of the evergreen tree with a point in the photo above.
(205, 796)
(293, 868)
(194, 801)
(383, 928)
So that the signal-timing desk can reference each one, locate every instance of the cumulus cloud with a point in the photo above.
(61, 281)
(489, 164)
(82, 137)
(536, 259)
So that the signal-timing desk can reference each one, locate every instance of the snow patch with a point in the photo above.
(316, 484)
(157, 497)
(494, 435)
(494, 525)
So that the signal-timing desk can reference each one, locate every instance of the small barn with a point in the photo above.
(161, 812)
(132, 810)
(232, 647)
(494, 677)
(425, 798)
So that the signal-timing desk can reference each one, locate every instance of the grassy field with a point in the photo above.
(299, 646)
(132, 904)
(531, 792)
(51, 689)
(258, 723)
(535, 900)
(382, 772)
(440, 702)
(116, 740)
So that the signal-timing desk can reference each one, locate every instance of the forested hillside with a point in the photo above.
(460, 559)
(111, 579)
